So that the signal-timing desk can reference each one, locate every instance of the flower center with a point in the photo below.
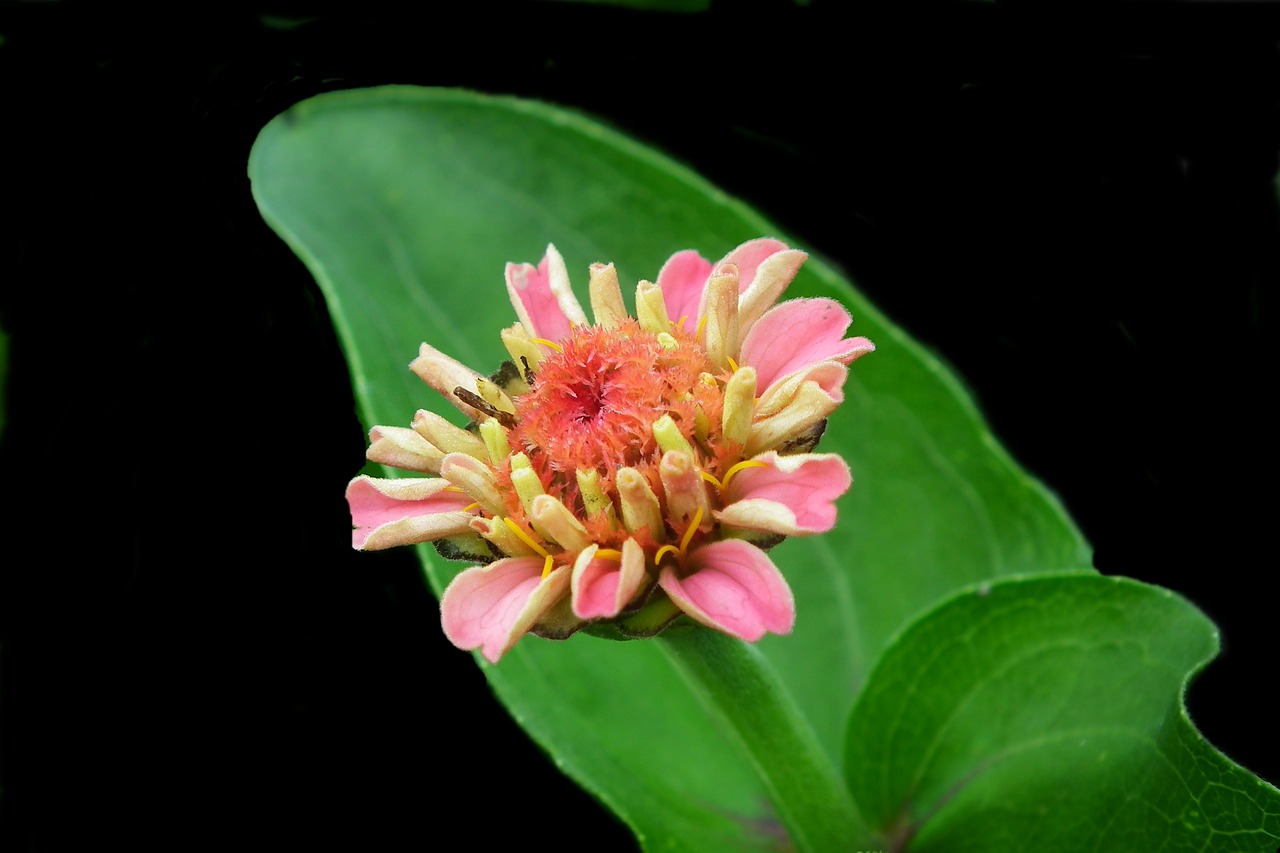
(592, 405)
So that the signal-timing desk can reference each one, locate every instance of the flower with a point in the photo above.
(624, 472)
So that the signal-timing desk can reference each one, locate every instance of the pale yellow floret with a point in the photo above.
(685, 490)
(524, 349)
(651, 310)
(739, 405)
(495, 396)
(552, 519)
(447, 437)
(497, 531)
(494, 436)
(669, 437)
(667, 341)
(640, 507)
(606, 296)
(720, 316)
(526, 481)
(594, 499)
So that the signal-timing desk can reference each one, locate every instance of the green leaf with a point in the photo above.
(1045, 713)
(406, 203)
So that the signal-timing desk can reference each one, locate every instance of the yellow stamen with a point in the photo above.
(676, 324)
(470, 507)
(527, 539)
(684, 541)
(555, 346)
(547, 566)
(611, 554)
(744, 464)
(688, 534)
(711, 478)
(451, 489)
(702, 324)
(733, 365)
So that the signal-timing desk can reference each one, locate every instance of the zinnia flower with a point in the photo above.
(623, 473)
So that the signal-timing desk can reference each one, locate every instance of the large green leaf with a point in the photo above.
(405, 203)
(1045, 714)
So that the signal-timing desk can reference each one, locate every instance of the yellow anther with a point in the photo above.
(702, 324)
(555, 346)
(733, 365)
(744, 464)
(528, 540)
(547, 566)
(611, 554)
(470, 507)
(452, 489)
(669, 437)
(676, 324)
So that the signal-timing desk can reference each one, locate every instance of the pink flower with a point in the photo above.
(631, 470)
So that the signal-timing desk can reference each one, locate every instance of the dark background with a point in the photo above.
(1074, 205)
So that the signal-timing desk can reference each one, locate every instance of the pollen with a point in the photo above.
(593, 405)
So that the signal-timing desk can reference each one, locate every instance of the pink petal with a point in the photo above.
(733, 587)
(797, 334)
(542, 297)
(749, 256)
(682, 279)
(386, 513)
(491, 607)
(793, 495)
(602, 586)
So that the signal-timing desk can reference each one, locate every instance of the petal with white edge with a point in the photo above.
(798, 334)
(491, 607)
(543, 298)
(734, 587)
(387, 513)
(793, 495)
(602, 586)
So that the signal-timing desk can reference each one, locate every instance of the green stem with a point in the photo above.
(739, 686)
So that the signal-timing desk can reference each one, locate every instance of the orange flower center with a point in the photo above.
(592, 405)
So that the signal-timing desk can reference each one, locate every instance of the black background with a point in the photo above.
(1074, 205)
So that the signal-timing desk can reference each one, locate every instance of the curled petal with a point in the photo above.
(750, 256)
(798, 334)
(446, 437)
(792, 495)
(491, 607)
(794, 416)
(445, 374)
(386, 513)
(603, 585)
(734, 587)
(401, 447)
(828, 376)
(543, 298)
(474, 477)
(762, 286)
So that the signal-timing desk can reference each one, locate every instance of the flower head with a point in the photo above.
(624, 472)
